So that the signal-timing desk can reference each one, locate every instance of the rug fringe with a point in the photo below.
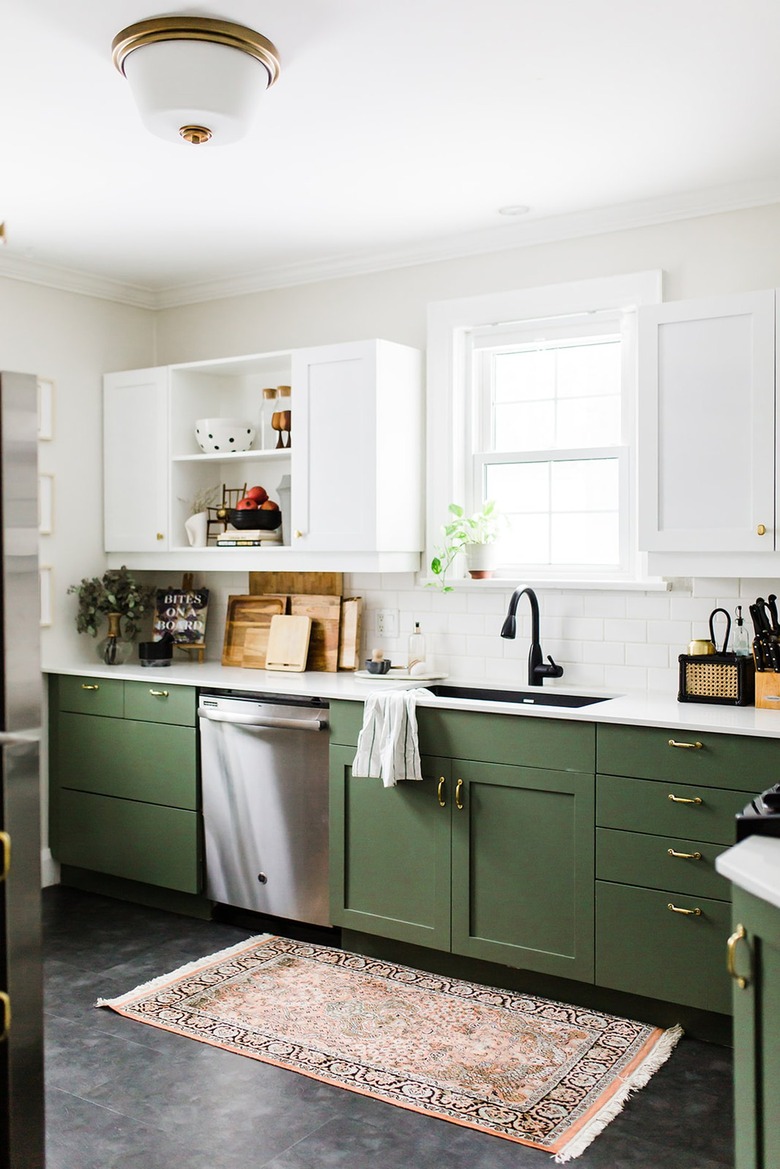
(638, 1079)
(188, 968)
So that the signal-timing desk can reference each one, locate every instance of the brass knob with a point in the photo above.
(760, 529)
(160, 536)
(297, 533)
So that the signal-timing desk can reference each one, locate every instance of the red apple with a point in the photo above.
(258, 493)
(246, 504)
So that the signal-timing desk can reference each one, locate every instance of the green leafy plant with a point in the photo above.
(481, 527)
(115, 592)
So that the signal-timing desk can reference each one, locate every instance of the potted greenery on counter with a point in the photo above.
(476, 536)
(119, 598)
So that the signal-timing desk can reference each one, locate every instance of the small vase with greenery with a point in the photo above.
(462, 533)
(119, 598)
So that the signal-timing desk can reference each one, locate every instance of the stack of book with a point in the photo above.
(248, 538)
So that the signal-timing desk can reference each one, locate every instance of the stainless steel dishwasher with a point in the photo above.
(264, 774)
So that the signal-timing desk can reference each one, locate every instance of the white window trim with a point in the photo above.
(448, 459)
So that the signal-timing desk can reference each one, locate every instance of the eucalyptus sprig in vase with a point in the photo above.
(119, 598)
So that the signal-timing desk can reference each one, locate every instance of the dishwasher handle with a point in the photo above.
(256, 720)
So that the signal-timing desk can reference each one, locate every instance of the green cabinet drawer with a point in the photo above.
(668, 809)
(133, 760)
(155, 702)
(643, 947)
(142, 842)
(734, 761)
(660, 862)
(510, 739)
(89, 695)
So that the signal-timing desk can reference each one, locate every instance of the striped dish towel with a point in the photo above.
(387, 745)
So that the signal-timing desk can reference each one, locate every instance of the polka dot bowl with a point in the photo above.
(224, 435)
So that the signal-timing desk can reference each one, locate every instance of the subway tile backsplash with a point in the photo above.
(611, 639)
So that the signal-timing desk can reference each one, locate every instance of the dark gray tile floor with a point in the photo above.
(123, 1095)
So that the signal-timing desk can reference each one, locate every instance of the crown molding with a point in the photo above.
(600, 221)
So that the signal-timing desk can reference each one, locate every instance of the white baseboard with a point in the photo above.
(50, 869)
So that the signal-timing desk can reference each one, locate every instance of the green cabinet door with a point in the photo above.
(756, 1032)
(522, 867)
(390, 853)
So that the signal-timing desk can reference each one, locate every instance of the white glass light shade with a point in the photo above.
(195, 83)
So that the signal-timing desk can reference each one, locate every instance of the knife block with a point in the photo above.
(768, 689)
(724, 679)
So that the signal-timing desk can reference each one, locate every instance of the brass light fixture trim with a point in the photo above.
(195, 28)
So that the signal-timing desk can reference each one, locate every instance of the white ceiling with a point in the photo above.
(395, 132)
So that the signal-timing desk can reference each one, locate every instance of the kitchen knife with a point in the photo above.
(771, 604)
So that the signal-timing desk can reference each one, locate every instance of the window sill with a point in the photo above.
(562, 584)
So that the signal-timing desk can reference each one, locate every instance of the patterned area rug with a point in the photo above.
(524, 1068)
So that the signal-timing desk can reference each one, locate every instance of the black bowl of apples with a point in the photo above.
(255, 511)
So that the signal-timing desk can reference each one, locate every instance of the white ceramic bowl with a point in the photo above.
(222, 435)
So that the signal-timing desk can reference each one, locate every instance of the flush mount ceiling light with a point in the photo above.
(194, 78)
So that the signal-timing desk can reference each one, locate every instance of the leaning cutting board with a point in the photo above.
(247, 626)
(288, 643)
(325, 613)
(349, 633)
(319, 583)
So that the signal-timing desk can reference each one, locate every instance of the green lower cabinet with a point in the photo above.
(756, 1032)
(522, 867)
(654, 943)
(126, 838)
(390, 854)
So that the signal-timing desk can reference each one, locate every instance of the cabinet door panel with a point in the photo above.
(523, 868)
(640, 805)
(733, 761)
(104, 696)
(390, 861)
(135, 460)
(645, 948)
(696, 360)
(660, 862)
(134, 760)
(160, 703)
(143, 842)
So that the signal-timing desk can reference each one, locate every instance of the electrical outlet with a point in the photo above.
(387, 622)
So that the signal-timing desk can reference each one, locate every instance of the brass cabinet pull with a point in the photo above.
(298, 534)
(739, 935)
(697, 746)
(160, 535)
(89, 686)
(760, 529)
(159, 693)
(6, 1004)
(440, 793)
(684, 856)
(685, 800)
(5, 842)
(458, 790)
(688, 912)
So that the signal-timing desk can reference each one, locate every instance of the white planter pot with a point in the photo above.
(197, 527)
(481, 560)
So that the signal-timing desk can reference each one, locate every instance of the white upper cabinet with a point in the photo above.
(707, 431)
(357, 468)
(354, 462)
(135, 475)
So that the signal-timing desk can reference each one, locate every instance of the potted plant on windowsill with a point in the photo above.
(117, 597)
(475, 535)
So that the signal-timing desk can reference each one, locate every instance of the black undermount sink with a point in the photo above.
(521, 697)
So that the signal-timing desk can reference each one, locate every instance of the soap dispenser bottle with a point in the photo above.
(416, 647)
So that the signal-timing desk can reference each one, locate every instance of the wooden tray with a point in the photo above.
(247, 626)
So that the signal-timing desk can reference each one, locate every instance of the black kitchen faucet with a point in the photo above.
(538, 670)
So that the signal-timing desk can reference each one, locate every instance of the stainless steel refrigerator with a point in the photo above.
(21, 998)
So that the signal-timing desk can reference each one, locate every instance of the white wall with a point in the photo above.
(616, 639)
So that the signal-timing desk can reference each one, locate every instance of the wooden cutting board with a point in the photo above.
(325, 613)
(317, 583)
(247, 626)
(349, 633)
(288, 643)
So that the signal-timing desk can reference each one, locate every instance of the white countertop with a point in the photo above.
(754, 865)
(638, 708)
